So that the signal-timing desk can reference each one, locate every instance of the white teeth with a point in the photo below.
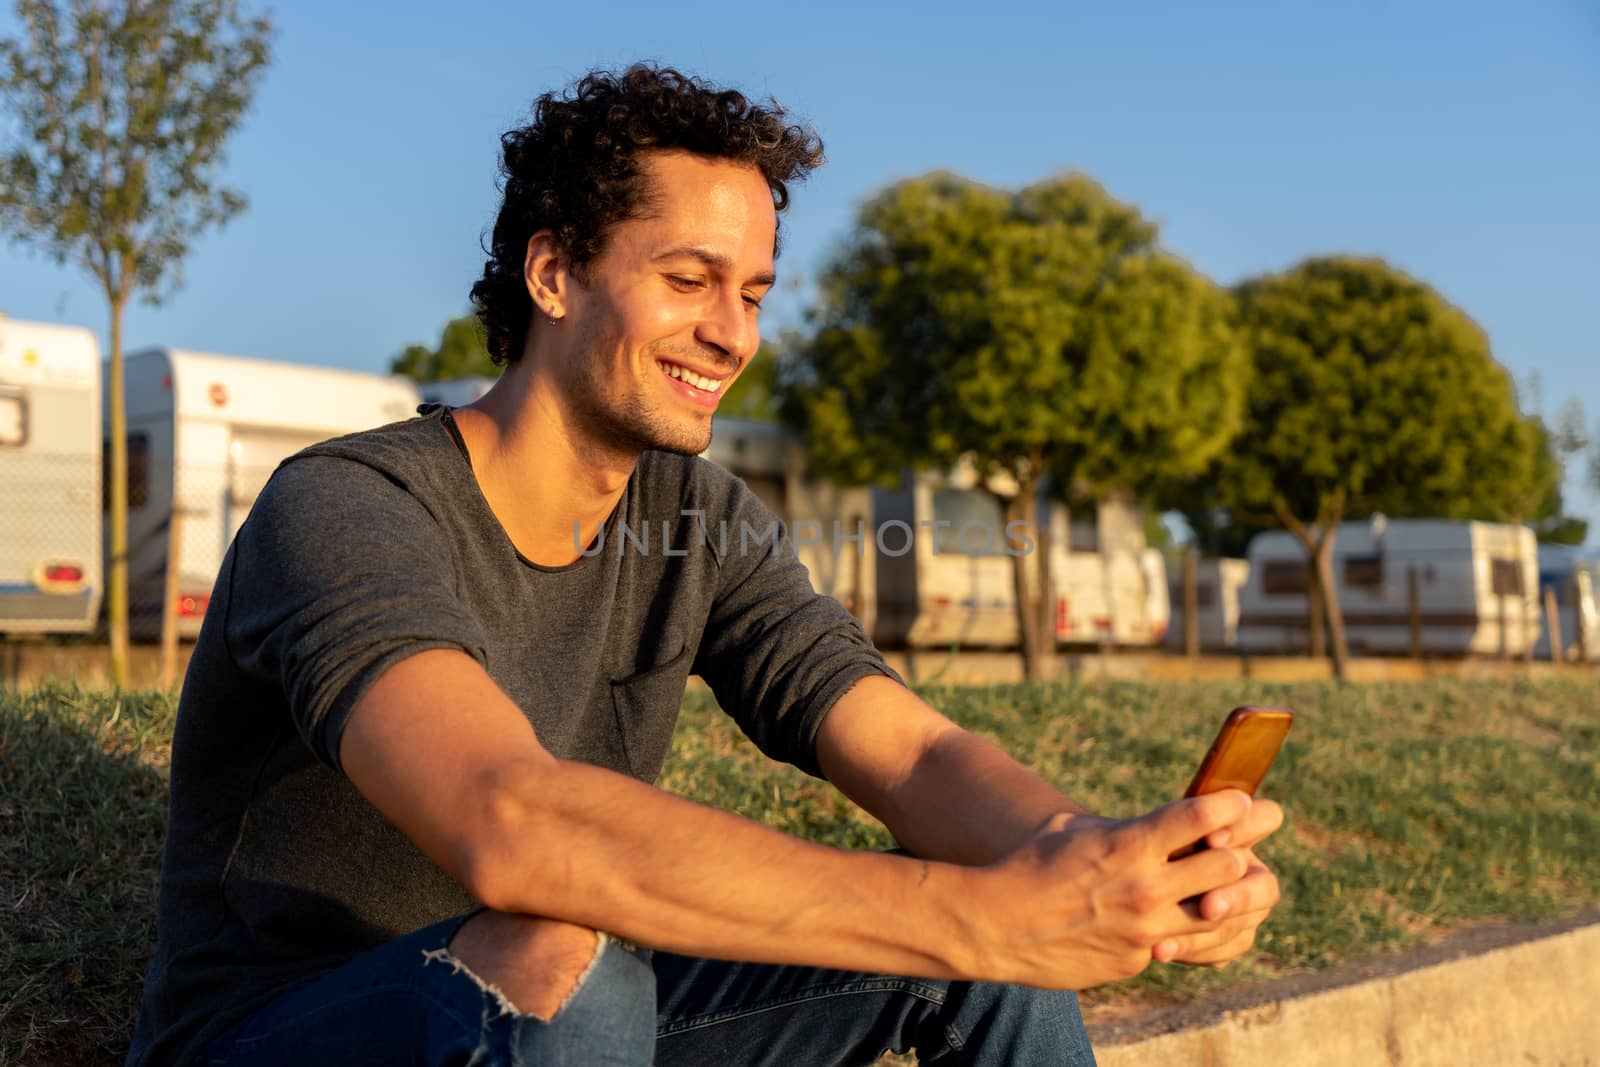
(709, 385)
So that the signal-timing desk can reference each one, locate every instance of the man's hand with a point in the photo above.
(1237, 910)
(1089, 900)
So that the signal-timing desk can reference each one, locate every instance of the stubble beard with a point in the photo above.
(627, 423)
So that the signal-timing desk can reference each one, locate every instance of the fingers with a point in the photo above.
(1231, 916)
(1257, 891)
(1263, 819)
(1204, 873)
(1215, 950)
(1186, 821)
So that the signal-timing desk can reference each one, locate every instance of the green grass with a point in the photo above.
(83, 806)
(1413, 810)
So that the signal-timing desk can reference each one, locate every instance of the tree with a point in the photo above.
(120, 110)
(461, 353)
(1039, 335)
(1594, 459)
(1370, 393)
(1543, 500)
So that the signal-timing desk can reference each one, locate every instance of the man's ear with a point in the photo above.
(547, 275)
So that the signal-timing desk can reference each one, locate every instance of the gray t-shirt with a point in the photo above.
(367, 549)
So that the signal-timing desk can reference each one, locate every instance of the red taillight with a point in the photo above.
(63, 574)
(192, 605)
(940, 603)
(1061, 615)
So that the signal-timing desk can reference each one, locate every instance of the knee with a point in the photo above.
(534, 964)
(1013, 1017)
(1057, 1005)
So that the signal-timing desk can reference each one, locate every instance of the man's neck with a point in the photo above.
(537, 470)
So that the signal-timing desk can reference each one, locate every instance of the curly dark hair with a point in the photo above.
(575, 171)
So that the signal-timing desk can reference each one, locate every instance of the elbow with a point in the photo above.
(493, 864)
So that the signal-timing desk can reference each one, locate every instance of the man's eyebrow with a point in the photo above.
(716, 260)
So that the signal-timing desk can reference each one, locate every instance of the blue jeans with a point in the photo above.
(409, 1002)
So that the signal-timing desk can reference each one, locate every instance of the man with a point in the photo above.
(411, 811)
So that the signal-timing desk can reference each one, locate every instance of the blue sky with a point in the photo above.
(1459, 141)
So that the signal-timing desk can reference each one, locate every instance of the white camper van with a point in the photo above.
(204, 434)
(50, 566)
(1217, 585)
(1574, 576)
(1477, 584)
(1110, 586)
(952, 583)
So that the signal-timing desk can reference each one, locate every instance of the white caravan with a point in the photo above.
(50, 566)
(1574, 575)
(204, 434)
(945, 572)
(1217, 585)
(1477, 586)
(1110, 586)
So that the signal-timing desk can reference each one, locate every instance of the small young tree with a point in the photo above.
(119, 111)
(1040, 334)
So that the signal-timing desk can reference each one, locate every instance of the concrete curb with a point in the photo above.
(1530, 1003)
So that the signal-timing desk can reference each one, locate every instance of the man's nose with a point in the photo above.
(730, 325)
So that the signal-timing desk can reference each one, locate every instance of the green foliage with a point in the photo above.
(1035, 332)
(1552, 449)
(120, 112)
(461, 353)
(1156, 534)
(1371, 390)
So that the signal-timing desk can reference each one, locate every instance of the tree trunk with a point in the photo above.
(1020, 508)
(1318, 543)
(1315, 645)
(117, 579)
(1044, 612)
(1330, 599)
(1191, 602)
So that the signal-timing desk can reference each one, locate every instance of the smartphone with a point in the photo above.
(1239, 757)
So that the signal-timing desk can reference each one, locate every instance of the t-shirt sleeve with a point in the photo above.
(776, 653)
(338, 574)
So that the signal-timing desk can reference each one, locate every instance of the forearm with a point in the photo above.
(944, 793)
(966, 801)
(589, 846)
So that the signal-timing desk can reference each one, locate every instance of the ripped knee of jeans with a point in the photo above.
(497, 996)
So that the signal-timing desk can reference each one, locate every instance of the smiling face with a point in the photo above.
(665, 318)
